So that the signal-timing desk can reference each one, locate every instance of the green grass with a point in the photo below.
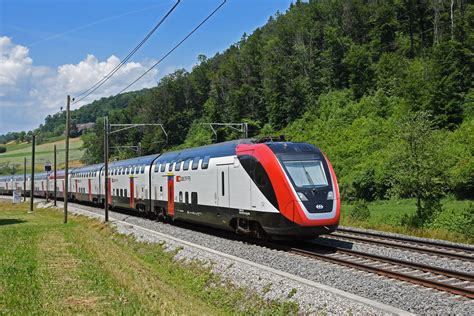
(44, 153)
(85, 267)
(387, 216)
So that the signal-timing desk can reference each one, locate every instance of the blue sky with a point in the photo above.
(54, 45)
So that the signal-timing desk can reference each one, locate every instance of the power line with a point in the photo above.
(175, 47)
(99, 83)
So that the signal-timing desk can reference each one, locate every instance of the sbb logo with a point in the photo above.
(182, 179)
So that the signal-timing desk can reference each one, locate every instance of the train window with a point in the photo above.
(260, 175)
(180, 197)
(186, 164)
(163, 166)
(186, 198)
(194, 198)
(223, 183)
(177, 166)
(127, 170)
(132, 170)
(161, 189)
(143, 169)
(205, 162)
(125, 192)
(195, 163)
(121, 192)
(170, 167)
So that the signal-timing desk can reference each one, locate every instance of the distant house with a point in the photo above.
(84, 127)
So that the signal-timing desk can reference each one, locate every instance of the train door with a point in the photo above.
(223, 196)
(132, 192)
(90, 189)
(171, 195)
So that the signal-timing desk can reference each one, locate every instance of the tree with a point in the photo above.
(418, 166)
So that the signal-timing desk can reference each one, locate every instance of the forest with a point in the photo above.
(384, 88)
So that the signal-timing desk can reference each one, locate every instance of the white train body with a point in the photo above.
(279, 188)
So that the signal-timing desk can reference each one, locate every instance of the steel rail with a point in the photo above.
(411, 240)
(408, 277)
(431, 251)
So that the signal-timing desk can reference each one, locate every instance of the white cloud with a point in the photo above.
(29, 92)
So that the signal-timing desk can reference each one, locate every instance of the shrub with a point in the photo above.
(360, 212)
(3, 149)
(461, 222)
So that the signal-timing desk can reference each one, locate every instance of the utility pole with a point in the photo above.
(24, 179)
(32, 190)
(66, 167)
(55, 174)
(108, 130)
(106, 168)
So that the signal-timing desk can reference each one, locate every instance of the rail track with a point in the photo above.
(424, 246)
(445, 280)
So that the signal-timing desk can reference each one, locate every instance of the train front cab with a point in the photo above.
(303, 188)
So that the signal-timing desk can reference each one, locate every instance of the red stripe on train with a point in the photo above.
(132, 193)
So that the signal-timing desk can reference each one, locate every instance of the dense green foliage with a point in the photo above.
(343, 75)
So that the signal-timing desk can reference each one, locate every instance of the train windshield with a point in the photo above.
(306, 174)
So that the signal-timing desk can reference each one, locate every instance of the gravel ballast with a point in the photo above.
(407, 255)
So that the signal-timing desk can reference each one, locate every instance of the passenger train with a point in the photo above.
(278, 189)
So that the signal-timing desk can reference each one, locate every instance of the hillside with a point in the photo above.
(343, 75)
(15, 154)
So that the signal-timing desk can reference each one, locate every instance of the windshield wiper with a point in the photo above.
(308, 176)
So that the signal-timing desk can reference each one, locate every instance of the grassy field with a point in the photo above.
(44, 153)
(47, 267)
(387, 216)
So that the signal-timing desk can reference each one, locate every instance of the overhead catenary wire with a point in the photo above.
(174, 48)
(99, 83)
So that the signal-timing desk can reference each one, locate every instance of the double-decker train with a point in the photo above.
(279, 189)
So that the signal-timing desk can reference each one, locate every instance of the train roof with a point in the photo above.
(214, 150)
(90, 168)
(139, 161)
(41, 176)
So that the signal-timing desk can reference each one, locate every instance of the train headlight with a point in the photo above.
(330, 195)
(302, 196)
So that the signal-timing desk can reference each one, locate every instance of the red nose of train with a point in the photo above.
(303, 179)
